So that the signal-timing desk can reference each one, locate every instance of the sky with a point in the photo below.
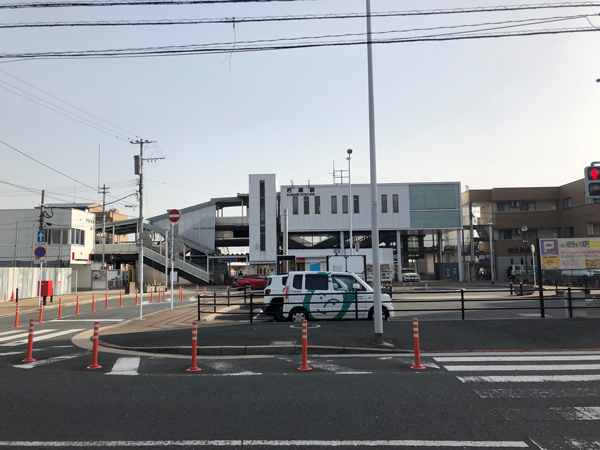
(496, 112)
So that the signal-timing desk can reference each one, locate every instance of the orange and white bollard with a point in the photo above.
(60, 308)
(136, 297)
(151, 296)
(30, 343)
(93, 302)
(106, 300)
(17, 317)
(77, 307)
(159, 297)
(194, 367)
(41, 320)
(426, 288)
(304, 365)
(416, 341)
(196, 291)
(180, 293)
(120, 299)
(95, 347)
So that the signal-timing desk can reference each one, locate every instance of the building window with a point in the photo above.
(395, 203)
(295, 205)
(317, 205)
(527, 206)
(593, 229)
(355, 206)
(502, 206)
(505, 235)
(567, 203)
(569, 232)
(65, 236)
(333, 204)
(344, 204)
(384, 203)
(306, 205)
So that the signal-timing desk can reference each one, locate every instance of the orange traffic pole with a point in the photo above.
(77, 307)
(151, 297)
(159, 299)
(93, 302)
(106, 300)
(196, 291)
(120, 299)
(30, 343)
(194, 367)
(136, 297)
(60, 308)
(304, 365)
(416, 342)
(41, 312)
(95, 347)
(17, 317)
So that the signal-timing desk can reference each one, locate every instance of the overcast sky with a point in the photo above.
(501, 112)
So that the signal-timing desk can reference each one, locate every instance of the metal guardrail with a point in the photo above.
(459, 301)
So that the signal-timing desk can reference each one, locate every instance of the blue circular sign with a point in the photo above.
(40, 252)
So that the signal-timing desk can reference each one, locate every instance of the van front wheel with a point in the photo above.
(298, 315)
(385, 315)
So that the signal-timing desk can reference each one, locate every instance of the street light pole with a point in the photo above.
(350, 201)
(492, 252)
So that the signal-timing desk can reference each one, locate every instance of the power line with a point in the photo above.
(131, 3)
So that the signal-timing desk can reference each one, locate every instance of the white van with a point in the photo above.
(273, 298)
(330, 295)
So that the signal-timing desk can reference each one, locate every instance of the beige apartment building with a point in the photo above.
(517, 217)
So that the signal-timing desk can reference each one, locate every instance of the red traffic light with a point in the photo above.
(591, 173)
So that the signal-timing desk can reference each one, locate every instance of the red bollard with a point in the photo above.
(17, 318)
(180, 293)
(304, 365)
(159, 297)
(164, 293)
(93, 302)
(95, 347)
(194, 367)
(77, 307)
(60, 308)
(106, 300)
(151, 297)
(41, 312)
(30, 343)
(136, 297)
(416, 341)
(196, 291)
(12, 296)
(120, 299)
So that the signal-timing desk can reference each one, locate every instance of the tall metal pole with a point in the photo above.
(472, 259)
(492, 253)
(377, 319)
(351, 201)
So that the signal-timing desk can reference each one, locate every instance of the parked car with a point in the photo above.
(274, 293)
(410, 275)
(330, 295)
(253, 281)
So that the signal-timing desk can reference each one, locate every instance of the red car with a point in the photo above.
(253, 280)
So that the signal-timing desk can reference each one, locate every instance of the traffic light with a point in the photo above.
(592, 181)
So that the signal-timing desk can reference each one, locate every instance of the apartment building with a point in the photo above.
(518, 217)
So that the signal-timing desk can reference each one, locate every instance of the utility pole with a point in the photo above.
(103, 191)
(139, 170)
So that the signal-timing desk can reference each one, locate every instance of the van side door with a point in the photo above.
(346, 309)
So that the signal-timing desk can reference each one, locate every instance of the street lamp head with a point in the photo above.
(349, 151)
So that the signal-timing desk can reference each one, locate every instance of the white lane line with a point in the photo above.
(579, 413)
(43, 338)
(4, 333)
(87, 320)
(566, 444)
(539, 393)
(530, 379)
(43, 362)
(518, 358)
(23, 335)
(526, 368)
(126, 366)
(258, 443)
(338, 370)
(11, 353)
(228, 368)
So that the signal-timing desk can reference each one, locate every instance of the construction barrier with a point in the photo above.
(17, 317)
(416, 342)
(30, 343)
(194, 367)
(304, 365)
(60, 308)
(95, 347)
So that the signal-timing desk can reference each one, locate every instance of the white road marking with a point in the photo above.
(46, 336)
(23, 335)
(566, 444)
(87, 320)
(579, 413)
(338, 370)
(518, 358)
(228, 368)
(560, 392)
(527, 368)
(126, 366)
(43, 362)
(530, 379)
(258, 443)
(11, 353)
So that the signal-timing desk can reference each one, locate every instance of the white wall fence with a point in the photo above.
(26, 280)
